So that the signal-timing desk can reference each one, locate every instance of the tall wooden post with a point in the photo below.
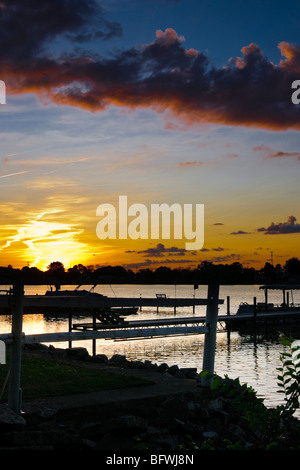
(211, 335)
(94, 349)
(228, 305)
(14, 391)
(70, 324)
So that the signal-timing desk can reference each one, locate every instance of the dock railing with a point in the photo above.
(17, 338)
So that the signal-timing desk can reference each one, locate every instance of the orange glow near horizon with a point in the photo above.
(39, 242)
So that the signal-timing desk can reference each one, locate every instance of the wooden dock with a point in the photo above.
(85, 304)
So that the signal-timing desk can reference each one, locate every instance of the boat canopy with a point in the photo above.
(281, 286)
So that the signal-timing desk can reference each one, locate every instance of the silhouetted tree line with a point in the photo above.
(205, 273)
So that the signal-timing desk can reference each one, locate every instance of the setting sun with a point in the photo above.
(45, 241)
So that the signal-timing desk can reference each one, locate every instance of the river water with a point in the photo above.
(253, 359)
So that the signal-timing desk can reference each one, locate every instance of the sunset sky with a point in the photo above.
(164, 101)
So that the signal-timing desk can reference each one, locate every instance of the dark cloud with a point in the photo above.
(161, 250)
(224, 259)
(249, 90)
(148, 263)
(239, 232)
(282, 228)
(28, 26)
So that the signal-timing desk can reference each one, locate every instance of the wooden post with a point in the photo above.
(210, 336)
(266, 299)
(94, 328)
(14, 391)
(228, 305)
(228, 313)
(70, 325)
(254, 316)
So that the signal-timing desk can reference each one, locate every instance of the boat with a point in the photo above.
(286, 306)
(268, 313)
(76, 292)
(102, 312)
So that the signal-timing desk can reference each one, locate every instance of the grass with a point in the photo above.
(42, 377)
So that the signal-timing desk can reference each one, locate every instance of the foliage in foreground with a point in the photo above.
(275, 428)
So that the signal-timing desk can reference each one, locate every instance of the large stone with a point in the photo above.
(78, 353)
(189, 372)
(175, 407)
(118, 360)
(9, 420)
(100, 359)
(163, 367)
(173, 370)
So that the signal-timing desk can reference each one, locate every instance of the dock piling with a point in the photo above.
(210, 336)
(14, 391)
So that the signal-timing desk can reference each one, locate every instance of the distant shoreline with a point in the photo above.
(205, 273)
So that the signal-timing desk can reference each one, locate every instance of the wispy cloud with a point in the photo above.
(13, 174)
(190, 164)
(268, 152)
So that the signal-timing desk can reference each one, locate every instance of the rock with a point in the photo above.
(189, 372)
(78, 353)
(179, 375)
(117, 360)
(136, 365)
(47, 412)
(36, 347)
(150, 366)
(129, 424)
(175, 407)
(236, 433)
(163, 367)
(215, 405)
(126, 425)
(9, 420)
(173, 370)
(100, 358)
(209, 435)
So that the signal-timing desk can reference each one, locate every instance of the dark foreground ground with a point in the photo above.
(172, 413)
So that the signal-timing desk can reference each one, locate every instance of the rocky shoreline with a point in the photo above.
(193, 418)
